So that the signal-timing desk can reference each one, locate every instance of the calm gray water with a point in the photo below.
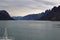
(32, 30)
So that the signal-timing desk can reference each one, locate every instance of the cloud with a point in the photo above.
(27, 4)
(45, 2)
(23, 4)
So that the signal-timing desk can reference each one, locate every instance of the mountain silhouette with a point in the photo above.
(52, 15)
(4, 15)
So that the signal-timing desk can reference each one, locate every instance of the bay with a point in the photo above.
(31, 30)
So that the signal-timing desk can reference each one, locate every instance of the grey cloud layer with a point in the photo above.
(45, 2)
(28, 4)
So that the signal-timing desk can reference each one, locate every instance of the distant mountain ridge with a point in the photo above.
(27, 17)
(17, 17)
(53, 14)
(4, 15)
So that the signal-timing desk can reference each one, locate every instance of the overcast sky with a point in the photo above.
(25, 7)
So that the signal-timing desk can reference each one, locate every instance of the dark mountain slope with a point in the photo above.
(4, 15)
(53, 14)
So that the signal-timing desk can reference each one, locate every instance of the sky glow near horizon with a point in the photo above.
(25, 7)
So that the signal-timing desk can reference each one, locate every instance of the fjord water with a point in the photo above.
(32, 30)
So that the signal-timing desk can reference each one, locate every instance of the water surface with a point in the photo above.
(32, 30)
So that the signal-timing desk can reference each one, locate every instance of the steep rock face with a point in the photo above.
(56, 12)
(4, 15)
(53, 14)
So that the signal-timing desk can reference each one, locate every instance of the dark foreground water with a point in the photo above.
(32, 30)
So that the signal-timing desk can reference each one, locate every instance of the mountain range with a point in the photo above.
(52, 15)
